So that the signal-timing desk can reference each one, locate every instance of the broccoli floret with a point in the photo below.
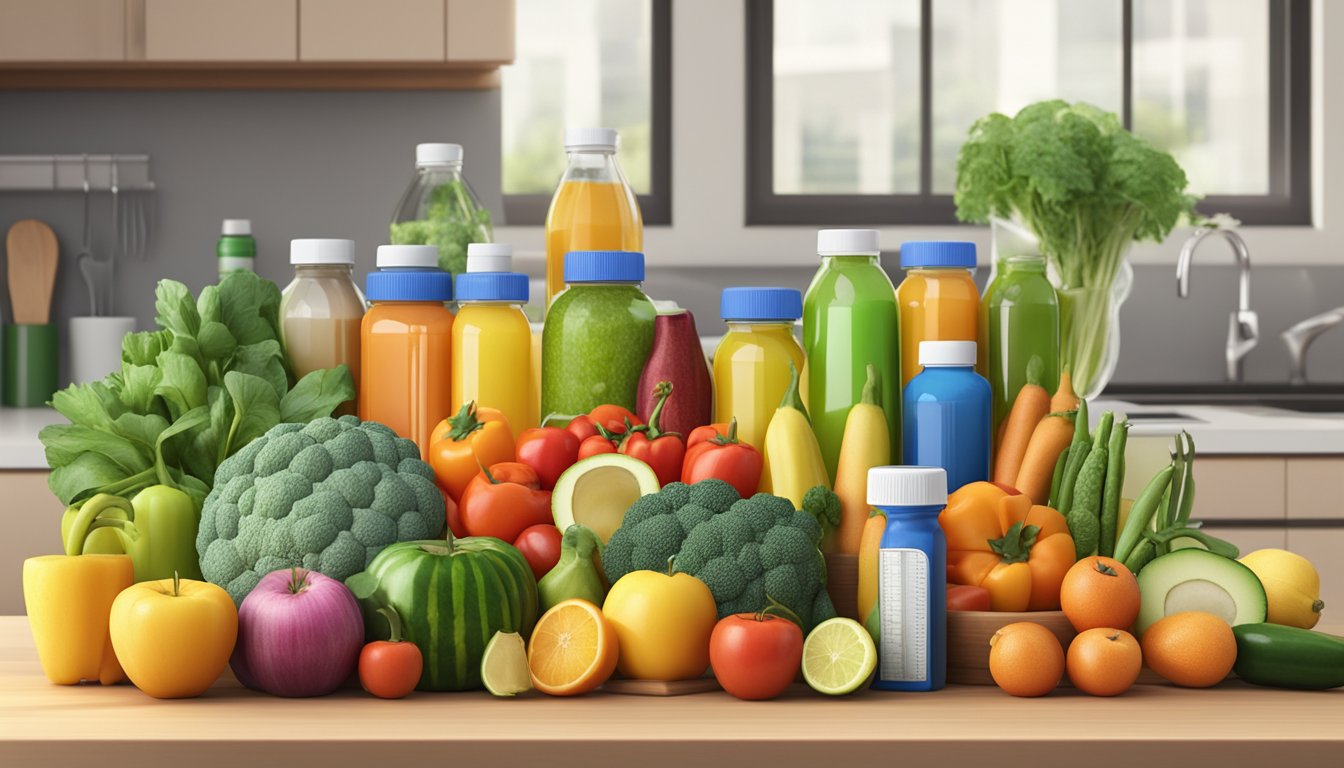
(328, 496)
(747, 551)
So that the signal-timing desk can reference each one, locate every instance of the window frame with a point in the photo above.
(656, 205)
(1288, 202)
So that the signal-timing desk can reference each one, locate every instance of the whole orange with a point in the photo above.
(1192, 648)
(1026, 659)
(1099, 592)
(1104, 661)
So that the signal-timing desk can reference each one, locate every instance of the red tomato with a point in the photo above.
(755, 656)
(455, 525)
(597, 444)
(549, 451)
(390, 670)
(963, 597)
(540, 544)
(504, 501)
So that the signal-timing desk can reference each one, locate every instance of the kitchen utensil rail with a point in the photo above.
(66, 173)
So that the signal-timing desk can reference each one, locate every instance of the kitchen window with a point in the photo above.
(588, 63)
(856, 112)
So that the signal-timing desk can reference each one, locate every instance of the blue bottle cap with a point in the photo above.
(409, 285)
(937, 253)
(492, 286)
(782, 304)
(604, 267)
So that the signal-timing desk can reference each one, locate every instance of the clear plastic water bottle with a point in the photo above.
(439, 208)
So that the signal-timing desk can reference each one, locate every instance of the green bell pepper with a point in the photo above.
(157, 529)
(100, 541)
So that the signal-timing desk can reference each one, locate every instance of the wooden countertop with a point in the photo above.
(1233, 724)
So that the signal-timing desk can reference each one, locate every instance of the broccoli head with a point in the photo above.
(747, 551)
(327, 496)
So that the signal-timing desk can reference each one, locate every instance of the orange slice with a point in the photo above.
(573, 649)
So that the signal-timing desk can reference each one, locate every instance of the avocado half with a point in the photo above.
(1198, 580)
(598, 490)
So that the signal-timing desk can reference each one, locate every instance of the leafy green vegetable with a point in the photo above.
(452, 220)
(188, 396)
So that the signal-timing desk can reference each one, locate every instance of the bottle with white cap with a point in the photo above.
(594, 208)
(321, 308)
(849, 323)
(492, 340)
(236, 250)
(439, 208)
(947, 413)
(911, 578)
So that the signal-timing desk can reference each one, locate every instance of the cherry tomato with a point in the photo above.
(595, 445)
(963, 597)
(755, 655)
(549, 451)
(390, 669)
(540, 544)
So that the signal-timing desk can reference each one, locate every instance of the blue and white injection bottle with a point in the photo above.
(911, 578)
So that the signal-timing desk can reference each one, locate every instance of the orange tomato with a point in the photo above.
(461, 445)
(1104, 661)
(1018, 551)
(1099, 592)
(1026, 659)
(1192, 648)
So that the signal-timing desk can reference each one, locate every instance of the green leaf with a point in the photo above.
(82, 404)
(317, 395)
(245, 302)
(207, 445)
(196, 418)
(215, 341)
(64, 443)
(175, 310)
(138, 386)
(141, 429)
(265, 360)
(256, 408)
(83, 476)
(143, 348)
(183, 384)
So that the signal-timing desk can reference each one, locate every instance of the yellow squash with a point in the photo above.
(866, 444)
(68, 600)
(793, 462)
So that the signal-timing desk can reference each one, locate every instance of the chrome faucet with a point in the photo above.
(1243, 325)
(1300, 336)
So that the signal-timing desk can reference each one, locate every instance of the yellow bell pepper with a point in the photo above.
(866, 444)
(69, 600)
(793, 462)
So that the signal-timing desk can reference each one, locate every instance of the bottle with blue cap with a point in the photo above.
(406, 343)
(597, 335)
(751, 363)
(947, 413)
(492, 341)
(938, 297)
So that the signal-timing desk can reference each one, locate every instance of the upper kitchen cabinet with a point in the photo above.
(62, 30)
(480, 30)
(208, 30)
(357, 30)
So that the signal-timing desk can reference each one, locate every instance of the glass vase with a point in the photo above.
(1089, 330)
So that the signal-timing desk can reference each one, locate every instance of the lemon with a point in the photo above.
(504, 665)
(838, 657)
(1292, 586)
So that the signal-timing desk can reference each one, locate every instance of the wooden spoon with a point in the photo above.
(33, 254)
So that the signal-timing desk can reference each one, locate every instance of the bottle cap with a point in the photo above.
(489, 257)
(591, 138)
(409, 285)
(782, 304)
(947, 353)
(318, 250)
(437, 154)
(492, 286)
(907, 486)
(408, 257)
(937, 253)
(604, 267)
(847, 242)
(236, 228)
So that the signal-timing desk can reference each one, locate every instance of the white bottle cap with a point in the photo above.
(408, 256)
(321, 250)
(947, 353)
(907, 486)
(847, 242)
(236, 227)
(489, 257)
(591, 138)
(437, 154)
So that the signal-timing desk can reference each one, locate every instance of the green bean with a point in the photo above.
(1110, 496)
(1187, 502)
(1141, 514)
(1142, 555)
(1057, 477)
(1217, 546)
(1077, 451)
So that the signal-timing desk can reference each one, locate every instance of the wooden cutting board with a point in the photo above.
(32, 252)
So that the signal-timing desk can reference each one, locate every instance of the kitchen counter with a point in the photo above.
(1235, 429)
(19, 446)
(1233, 724)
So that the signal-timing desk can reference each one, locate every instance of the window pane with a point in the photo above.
(579, 63)
(1201, 89)
(1001, 55)
(846, 97)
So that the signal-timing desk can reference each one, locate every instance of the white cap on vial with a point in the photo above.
(591, 138)
(321, 250)
(489, 257)
(947, 353)
(847, 242)
(236, 228)
(408, 256)
(907, 486)
(438, 154)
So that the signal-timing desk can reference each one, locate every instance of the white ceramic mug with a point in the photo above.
(95, 346)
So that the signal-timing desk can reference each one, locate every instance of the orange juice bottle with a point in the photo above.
(938, 298)
(406, 343)
(593, 209)
(492, 341)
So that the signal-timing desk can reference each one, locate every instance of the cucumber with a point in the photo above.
(1288, 657)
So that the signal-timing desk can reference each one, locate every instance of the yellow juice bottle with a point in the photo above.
(492, 340)
(751, 364)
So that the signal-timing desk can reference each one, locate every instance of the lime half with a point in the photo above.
(838, 657)
(504, 665)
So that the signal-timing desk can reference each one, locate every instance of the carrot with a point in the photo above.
(869, 539)
(1030, 406)
(1050, 438)
(1064, 399)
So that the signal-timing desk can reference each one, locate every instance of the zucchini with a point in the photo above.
(1288, 657)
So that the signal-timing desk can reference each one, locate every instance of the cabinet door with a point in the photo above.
(481, 30)
(1239, 488)
(32, 527)
(357, 30)
(1322, 547)
(62, 30)
(1316, 488)
(209, 30)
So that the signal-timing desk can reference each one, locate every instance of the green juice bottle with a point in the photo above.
(1019, 323)
(849, 322)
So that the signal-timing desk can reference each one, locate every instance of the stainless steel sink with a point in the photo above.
(1317, 398)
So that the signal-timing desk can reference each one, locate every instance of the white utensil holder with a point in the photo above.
(95, 346)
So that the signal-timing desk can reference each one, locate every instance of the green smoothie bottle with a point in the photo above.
(597, 335)
(849, 322)
(1019, 324)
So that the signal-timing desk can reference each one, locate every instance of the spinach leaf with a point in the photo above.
(256, 408)
(183, 384)
(317, 394)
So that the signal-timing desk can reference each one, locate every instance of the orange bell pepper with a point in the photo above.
(1016, 550)
(461, 445)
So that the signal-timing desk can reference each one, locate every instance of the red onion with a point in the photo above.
(299, 634)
